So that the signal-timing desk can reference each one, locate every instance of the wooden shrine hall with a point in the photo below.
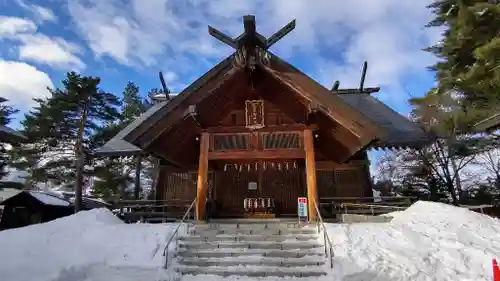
(254, 133)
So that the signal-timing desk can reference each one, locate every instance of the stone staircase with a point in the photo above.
(254, 248)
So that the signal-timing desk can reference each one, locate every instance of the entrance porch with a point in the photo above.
(265, 188)
(256, 182)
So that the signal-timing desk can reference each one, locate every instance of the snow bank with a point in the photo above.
(86, 246)
(428, 241)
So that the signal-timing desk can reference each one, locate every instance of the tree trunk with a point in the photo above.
(80, 158)
(453, 192)
(137, 190)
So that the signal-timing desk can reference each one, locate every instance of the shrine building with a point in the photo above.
(254, 134)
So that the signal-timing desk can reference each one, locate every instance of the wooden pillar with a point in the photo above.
(137, 188)
(312, 193)
(202, 184)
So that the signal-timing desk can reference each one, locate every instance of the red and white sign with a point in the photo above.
(302, 207)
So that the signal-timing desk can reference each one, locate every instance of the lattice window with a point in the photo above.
(348, 182)
(181, 186)
(230, 142)
(281, 140)
(325, 183)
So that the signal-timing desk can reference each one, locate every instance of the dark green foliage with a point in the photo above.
(52, 128)
(6, 113)
(468, 89)
(115, 176)
(469, 53)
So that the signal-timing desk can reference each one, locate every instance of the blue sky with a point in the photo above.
(122, 40)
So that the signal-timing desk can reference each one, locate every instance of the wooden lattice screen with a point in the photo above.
(281, 140)
(226, 142)
(349, 182)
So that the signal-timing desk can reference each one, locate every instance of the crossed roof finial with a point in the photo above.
(250, 37)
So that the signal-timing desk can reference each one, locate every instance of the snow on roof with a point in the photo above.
(6, 193)
(49, 199)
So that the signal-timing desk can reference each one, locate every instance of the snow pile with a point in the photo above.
(428, 241)
(90, 245)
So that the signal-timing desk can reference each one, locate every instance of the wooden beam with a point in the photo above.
(177, 107)
(312, 192)
(280, 128)
(161, 154)
(261, 154)
(202, 185)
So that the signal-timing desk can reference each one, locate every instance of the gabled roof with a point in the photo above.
(43, 197)
(488, 124)
(117, 146)
(10, 136)
(398, 130)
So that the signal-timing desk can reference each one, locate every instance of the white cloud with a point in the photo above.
(12, 26)
(34, 46)
(21, 82)
(54, 51)
(40, 13)
(334, 36)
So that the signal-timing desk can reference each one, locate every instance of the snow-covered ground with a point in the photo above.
(428, 241)
(89, 246)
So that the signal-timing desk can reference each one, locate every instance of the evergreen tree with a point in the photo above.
(469, 53)
(6, 113)
(52, 128)
(116, 175)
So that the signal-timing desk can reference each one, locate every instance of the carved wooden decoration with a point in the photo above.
(254, 114)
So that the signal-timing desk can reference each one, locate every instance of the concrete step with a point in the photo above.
(252, 225)
(252, 260)
(256, 237)
(221, 253)
(261, 271)
(250, 245)
(250, 231)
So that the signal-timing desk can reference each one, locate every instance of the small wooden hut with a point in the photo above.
(31, 207)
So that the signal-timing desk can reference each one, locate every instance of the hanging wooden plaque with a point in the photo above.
(254, 114)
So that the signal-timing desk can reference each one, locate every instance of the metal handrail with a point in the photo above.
(175, 234)
(326, 237)
(372, 206)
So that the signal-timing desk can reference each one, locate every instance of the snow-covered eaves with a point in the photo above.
(117, 146)
(488, 124)
(400, 131)
(42, 197)
(10, 136)
(48, 199)
(6, 193)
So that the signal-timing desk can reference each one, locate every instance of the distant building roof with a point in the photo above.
(42, 197)
(6, 193)
(10, 136)
(49, 199)
(488, 124)
(117, 146)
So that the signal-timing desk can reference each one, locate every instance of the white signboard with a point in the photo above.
(302, 207)
(252, 185)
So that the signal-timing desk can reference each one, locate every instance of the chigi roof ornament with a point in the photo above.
(251, 46)
(162, 96)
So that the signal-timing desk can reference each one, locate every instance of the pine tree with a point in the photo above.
(469, 53)
(52, 128)
(6, 113)
(115, 175)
